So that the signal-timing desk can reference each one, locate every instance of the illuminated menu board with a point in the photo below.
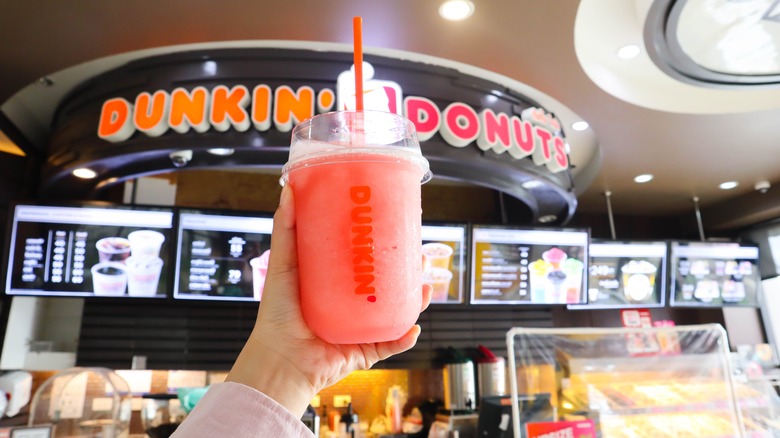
(444, 248)
(714, 274)
(89, 251)
(528, 266)
(626, 274)
(221, 257)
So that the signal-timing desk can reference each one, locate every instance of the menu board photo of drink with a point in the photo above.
(89, 251)
(528, 266)
(714, 274)
(626, 274)
(221, 257)
(444, 248)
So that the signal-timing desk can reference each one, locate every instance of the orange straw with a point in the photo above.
(357, 39)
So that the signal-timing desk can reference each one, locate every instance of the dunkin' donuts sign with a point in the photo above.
(535, 133)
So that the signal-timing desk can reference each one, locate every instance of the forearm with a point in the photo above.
(260, 367)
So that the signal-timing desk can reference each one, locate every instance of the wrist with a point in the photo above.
(261, 367)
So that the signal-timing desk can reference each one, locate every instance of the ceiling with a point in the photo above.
(691, 138)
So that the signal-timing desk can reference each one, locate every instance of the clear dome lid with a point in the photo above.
(83, 402)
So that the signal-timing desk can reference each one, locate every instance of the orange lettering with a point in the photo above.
(188, 110)
(115, 123)
(261, 107)
(291, 107)
(228, 108)
(325, 100)
(151, 113)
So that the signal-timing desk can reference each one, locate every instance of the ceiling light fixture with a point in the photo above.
(645, 177)
(222, 152)
(456, 10)
(628, 51)
(580, 126)
(728, 185)
(84, 173)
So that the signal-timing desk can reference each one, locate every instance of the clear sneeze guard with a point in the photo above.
(646, 382)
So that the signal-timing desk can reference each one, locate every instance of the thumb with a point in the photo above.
(283, 260)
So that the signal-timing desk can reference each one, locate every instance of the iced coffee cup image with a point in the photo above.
(437, 255)
(113, 249)
(439, 279)
(538, 271)
(356, 179)
(259, 271)
(109, 279)
(555, 257)
(145, 243)
(143, 275)
(638, 280)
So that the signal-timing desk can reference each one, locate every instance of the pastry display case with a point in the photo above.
(659, 382)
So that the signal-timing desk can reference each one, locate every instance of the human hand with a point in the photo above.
(283, 358)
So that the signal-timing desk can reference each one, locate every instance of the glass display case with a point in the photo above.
(83, 402)
(659, 382)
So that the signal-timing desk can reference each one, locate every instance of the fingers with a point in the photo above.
(284, 257)
(405, 342)
(427, 292)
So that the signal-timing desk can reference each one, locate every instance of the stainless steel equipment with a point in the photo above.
(459, 389)
(491, 374)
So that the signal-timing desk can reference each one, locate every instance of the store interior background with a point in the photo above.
(634, 138)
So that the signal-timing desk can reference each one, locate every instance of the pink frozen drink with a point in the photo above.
(356, 178)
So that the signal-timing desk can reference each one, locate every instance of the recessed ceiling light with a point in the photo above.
(580, 126)
(728, 185)
(646, 177)
(84, 173)
(222, 152)
(456, 10)
(628, 52)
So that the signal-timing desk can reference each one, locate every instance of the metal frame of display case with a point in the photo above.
(711, 336)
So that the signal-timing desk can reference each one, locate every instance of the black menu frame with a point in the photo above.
(515, 277)
(77, 227)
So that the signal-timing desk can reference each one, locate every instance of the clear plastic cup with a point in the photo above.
(437, 255)
(109, 279)
(356, 176)
(638, 280)
(439, 279)
(143, 275)
(145, 243)
(113, 249)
